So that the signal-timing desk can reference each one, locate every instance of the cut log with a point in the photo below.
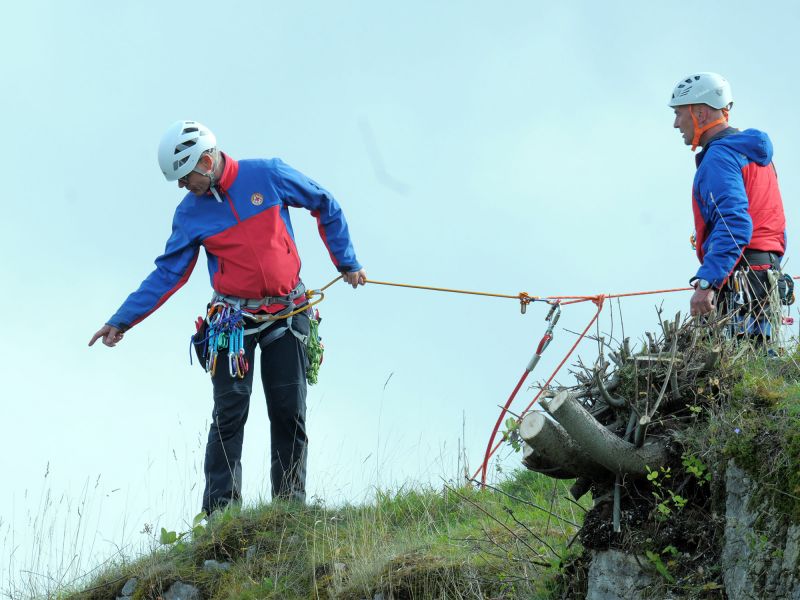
(536, 462)
(550, 441)
(614, 453)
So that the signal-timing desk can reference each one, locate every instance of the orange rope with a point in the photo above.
(522, 296)
(454, 291)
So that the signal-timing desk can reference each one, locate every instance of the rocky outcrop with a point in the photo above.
(758, 561)
(760, 555)
(647, 434)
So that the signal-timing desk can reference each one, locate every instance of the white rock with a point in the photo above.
(213, 565)
(182, 591)
(614, 575)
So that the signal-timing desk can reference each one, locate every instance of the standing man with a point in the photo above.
(740, 226)
(239, 212)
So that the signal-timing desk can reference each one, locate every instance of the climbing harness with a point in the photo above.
(229, 319)
(754, 295)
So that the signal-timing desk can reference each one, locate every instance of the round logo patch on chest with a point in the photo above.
(257, 199)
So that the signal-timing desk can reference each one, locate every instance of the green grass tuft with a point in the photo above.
(410, 543)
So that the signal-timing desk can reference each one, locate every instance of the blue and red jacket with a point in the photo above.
(737, 203)
(248, 237)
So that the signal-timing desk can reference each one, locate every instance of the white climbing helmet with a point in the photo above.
(181, 147)
(703, 88)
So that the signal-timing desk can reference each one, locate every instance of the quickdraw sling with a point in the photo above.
(222, 329)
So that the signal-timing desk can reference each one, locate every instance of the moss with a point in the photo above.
(753, 417)
(763, 435)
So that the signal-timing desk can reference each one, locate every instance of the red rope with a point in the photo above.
(598, 300)
(524, 300)
(489, 450)
(578, 299)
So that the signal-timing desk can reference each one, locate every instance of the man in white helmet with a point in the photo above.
(740, 228)
(238, 211)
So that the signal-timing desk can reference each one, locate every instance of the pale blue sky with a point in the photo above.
(527, 146)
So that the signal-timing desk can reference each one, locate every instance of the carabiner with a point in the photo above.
(232, 364)
(213, 368)
(555, 314)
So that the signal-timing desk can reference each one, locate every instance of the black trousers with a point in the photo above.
(283, 364)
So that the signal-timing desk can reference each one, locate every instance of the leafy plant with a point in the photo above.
(695, 466)
(667, 501)
(659, 565)
(167, 538)
(511, 434)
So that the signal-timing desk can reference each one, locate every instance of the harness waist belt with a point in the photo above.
(760, 257)
(255, 304)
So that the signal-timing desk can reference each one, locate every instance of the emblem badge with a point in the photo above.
(257, 199)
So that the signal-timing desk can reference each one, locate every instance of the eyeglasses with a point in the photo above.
(185, 179)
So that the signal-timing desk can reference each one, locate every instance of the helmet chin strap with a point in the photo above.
(699, 131)
(212, 182)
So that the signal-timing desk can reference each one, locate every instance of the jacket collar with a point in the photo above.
(725, 132)
(229, 173)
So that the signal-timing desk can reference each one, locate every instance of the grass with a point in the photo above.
(409, 543)
(515, 541)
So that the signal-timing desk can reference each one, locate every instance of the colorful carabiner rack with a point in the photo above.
(225, 331)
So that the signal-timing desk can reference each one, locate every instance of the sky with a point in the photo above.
(518, 146)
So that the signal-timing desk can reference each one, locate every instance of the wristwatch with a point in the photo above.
(703, 284)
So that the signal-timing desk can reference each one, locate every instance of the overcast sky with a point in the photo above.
(506, 147)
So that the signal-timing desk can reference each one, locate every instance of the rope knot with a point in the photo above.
(598, 300)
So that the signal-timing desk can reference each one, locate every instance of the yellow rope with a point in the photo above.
(303, 307)
(438, 289)
(523, 297)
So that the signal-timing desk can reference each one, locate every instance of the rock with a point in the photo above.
(762, 563)
(182, 591)
(128, 589)
(614, 575)
(739, 543)
(791, 560)
(213, 565)
(251, 552)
